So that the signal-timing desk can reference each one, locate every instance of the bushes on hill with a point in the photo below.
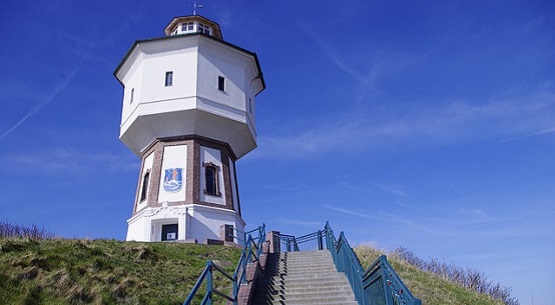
(9, 230)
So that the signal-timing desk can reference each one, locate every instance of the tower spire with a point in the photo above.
(195, 7)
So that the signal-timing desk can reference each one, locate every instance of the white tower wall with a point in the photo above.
(188, 112)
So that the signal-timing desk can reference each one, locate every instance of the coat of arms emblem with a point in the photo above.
(173, 179)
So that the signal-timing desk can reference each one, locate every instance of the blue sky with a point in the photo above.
(425, 124)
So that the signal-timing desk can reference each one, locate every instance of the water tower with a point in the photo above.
(189, 114)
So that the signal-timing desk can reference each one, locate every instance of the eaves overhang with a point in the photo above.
(242, 50)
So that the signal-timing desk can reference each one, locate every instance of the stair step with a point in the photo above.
(311, 287)
(305, 301)
(301, 296)
(307, 273)
(303, 278)
(319, 301)
(292, 271)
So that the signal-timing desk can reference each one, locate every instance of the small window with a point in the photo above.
(132, 96)
(203, 29)
(228, 229)
(250, 105)
(211, 179)
(169, 79)
(144, 187)
(187, 27)
(221, 83)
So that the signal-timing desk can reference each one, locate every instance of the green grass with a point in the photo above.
(62, 271)
(103, 271)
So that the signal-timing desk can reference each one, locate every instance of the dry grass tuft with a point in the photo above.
(78, 295)
(366, 252)
(123, 288)
(141, 253)
(61, 279)
(29, 273)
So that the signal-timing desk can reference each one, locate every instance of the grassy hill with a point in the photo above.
(65, 271)
(103, 271)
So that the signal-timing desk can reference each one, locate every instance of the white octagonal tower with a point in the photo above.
(188, 113)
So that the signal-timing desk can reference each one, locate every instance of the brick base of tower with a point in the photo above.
(187, 190)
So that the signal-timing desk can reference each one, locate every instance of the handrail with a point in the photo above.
(252, 250)
(393, 286)
(347, 262)
(244, 235)
(207, 275)
(288, 241)
(293, 243)
(378, 284)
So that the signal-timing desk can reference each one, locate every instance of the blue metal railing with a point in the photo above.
(251, 252)
(243, 236)
(312, 241)
(377, 285)
(346, 261)
(382, 283)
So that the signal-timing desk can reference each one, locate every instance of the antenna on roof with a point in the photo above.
(195, 7)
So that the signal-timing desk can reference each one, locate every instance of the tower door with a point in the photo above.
(169, 232)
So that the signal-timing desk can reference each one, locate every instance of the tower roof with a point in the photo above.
(193, 24)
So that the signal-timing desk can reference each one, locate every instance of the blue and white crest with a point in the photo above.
(173, 179)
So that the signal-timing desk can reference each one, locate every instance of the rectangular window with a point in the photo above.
(228, 229)
(169, 78)
(144, 188)
(132, 96)
(211, 179)
(221, 83)
(187, 27)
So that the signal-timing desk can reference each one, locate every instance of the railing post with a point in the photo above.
(209, 283)
(235, 290)
(320, 246)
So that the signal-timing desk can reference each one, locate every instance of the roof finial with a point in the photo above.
(195, 7)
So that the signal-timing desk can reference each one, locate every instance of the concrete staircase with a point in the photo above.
(309, 277)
